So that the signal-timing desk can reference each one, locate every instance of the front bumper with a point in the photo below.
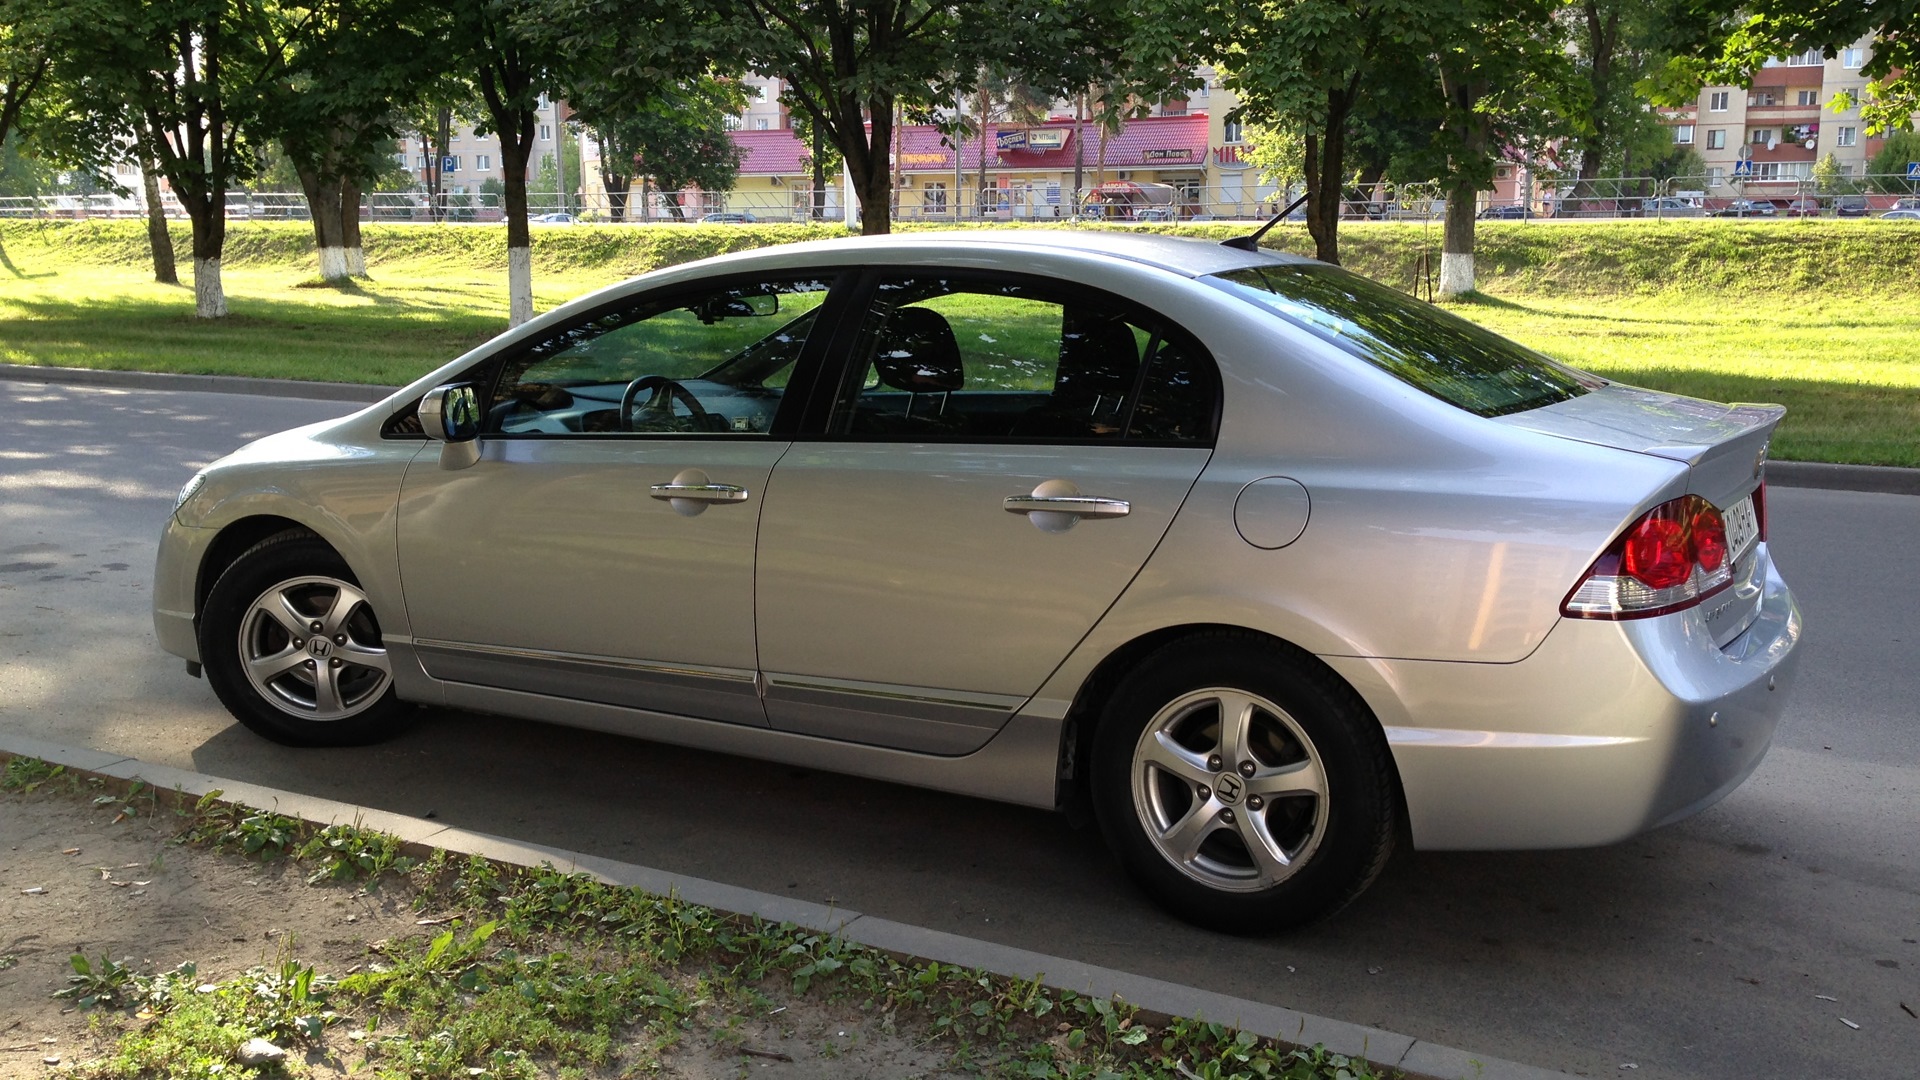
(176, 572)
(1609, 729)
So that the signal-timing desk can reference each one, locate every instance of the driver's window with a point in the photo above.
(708, 362)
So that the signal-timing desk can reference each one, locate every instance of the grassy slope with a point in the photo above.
(1821, 315)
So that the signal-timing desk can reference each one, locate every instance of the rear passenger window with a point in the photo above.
(963, 359)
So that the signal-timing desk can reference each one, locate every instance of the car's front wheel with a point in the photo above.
(293, 649)
(1243, 787)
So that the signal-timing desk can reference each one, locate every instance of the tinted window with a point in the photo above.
(709, 362)
(1446, 356)
(976, 360)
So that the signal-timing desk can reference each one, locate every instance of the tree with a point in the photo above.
(511, 72)
(1615, 48)
(1726, 41)
(1887, 169)
(1505, 81)
(1309, 66)
(180, 77)
(339, 69)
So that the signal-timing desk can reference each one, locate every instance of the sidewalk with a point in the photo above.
(1807, 474)
(1418, 1059)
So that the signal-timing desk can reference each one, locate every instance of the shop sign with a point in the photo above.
(1228, 156)
(924, 158)
(1178, 153)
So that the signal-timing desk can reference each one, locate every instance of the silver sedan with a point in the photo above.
(1268, 566)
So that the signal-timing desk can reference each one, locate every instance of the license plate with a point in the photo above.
(1742, 527)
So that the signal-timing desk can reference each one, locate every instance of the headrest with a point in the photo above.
(918, 353)
(1098, 358)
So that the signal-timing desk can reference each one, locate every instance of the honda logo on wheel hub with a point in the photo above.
(1228, 787)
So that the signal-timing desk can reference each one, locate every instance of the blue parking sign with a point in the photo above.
(449, 164)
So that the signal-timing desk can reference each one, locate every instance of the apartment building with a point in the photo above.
(1766, 137)
(472, 158)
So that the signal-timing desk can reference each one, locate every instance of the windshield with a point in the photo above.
(1442, 354)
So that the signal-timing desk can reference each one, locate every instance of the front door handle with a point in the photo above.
(692, 491)
(701, 492)
(1078, 505)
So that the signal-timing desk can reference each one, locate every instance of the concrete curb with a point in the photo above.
(1883, 479)
(211, 384)
(1417, 1059)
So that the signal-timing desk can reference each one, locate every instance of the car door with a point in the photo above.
(602, 546)
(1000, 457)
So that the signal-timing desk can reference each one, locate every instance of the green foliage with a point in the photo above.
(27, 774)
(230, 826)
(1887, 169)
(347, 852)
(107, 983)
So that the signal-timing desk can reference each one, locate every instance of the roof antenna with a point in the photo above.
(1252, 243)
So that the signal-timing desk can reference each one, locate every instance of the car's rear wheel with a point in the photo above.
(1242, 786)
(292, 647)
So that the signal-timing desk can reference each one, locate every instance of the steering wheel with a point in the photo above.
(665, 393)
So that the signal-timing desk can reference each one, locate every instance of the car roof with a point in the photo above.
(1187, 256)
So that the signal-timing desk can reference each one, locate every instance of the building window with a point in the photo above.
(483, 161)
(1683, 134)
(1716, 138)
(760, 123)
(935, 200)
(1853, 58)
(423, 162)
(1716, 177)
(1807, 97)
(1174, 108)
(1810, 58)
(546, 132)
(1759, 136)
(1846, 136)
(1766, 170)
(731, 123)
(1230, 132)
(1717, 101)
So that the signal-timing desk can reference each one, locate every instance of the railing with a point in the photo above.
(1606, 198)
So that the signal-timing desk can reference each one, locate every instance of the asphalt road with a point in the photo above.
(1702, 950)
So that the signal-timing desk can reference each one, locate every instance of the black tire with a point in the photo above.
(290, 706)
(1196, 857)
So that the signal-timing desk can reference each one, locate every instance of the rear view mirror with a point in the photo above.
(451, 413)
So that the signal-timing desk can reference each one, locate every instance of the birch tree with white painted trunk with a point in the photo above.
(511, 72)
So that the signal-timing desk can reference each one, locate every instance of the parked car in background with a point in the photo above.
(728, 217)
(1901, 215)
(1266, 563)
(1805, 206)
(1851, 206)
(1742, 208)
(1670, 206)
(556, 218)
(1905, 204)
(1508, 211)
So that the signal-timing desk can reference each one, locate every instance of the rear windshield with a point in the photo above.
(1454, 360)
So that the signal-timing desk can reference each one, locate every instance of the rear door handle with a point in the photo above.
(1078, 505)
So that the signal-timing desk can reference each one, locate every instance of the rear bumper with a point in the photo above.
(1609, 729)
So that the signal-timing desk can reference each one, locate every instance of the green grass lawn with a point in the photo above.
(1846, 362)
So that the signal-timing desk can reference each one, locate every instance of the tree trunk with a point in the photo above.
(1456, 247)
(819, 198)
(158, 238)
(1325, 168)
(209, 238)
(350, 228)
(872, 172)
(323, 206)
(519, 238)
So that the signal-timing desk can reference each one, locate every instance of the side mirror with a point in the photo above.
(451, 413)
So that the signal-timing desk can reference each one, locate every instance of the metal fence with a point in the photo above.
(1606, 198)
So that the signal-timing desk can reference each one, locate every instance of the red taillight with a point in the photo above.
(1671, 559)
(1760, 507)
